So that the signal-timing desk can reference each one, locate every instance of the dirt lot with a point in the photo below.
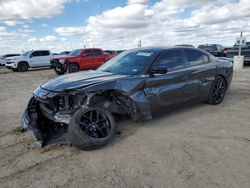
(195, 146)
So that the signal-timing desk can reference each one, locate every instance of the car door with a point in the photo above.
(172, 87)
(35, 59)
(45, 58)
(86, 60)
(98, 58)
(202, 67)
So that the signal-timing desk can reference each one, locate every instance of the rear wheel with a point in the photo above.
(91, 128)
(23, 66)
(73, 68)
(217, 91)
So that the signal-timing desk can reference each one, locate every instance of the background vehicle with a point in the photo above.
(61, 53)
(185, 45)
(215, 49)
(29, 59)
(80, 59)
(234, 51)
(134, 84)
(3, 57)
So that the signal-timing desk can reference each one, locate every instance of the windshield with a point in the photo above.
(26, 53)
(129, 62)
(75, 52)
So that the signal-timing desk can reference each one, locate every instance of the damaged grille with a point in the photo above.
(60, 108)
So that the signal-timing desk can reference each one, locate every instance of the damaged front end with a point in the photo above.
(48, 115)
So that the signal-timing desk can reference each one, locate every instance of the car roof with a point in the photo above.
(161, 49)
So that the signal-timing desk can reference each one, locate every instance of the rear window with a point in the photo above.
(196, 58)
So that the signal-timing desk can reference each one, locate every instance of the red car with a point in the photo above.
(80, 59)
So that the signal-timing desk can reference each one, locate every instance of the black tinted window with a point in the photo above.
(88, 52)
(173, 59)
(44, 53)
(96, 52)
(196, 57)
(36, 53)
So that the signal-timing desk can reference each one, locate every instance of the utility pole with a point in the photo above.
(139, 44)
(241, 38)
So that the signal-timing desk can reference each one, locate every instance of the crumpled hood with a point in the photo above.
(79, 80)
(61, 56)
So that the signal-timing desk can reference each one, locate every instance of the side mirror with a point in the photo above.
(31, 56)
(158, 70)
(84, 55)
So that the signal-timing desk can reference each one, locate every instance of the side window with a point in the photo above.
(44, 53)
(173, 59)
(35, 54)
(205, 58)
(195, 57)
(88, 52)
(96, 52)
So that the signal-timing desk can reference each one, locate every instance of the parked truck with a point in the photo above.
(29, 59)
(80, 59)
(234, 51)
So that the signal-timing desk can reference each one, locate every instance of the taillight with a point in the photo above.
(225, 53)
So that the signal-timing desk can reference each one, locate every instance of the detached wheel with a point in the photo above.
(23, 66)
(217, 91)
(91, 128)
(73, 68)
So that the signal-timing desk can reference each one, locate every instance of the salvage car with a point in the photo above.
(80, 59)
(80, 108)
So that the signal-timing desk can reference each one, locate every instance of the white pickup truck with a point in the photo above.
(29, 59)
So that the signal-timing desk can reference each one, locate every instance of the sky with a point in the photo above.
(61, 25)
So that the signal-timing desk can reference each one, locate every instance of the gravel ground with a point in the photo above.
(195, 146)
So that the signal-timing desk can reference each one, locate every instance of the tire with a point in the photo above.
(86, 134)
(59, 70)
(73, 68)
(217, 91)
(22, 66)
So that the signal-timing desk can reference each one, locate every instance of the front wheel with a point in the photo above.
(23, 66)
(73, 68)
(59, 70)
(91, 128)
(217, 91)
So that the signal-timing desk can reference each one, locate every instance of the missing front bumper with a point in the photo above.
(43, 130)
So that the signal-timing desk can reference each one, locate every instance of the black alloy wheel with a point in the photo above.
(23, 66)
(95, 124)
(218, 91)
(91, 128)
